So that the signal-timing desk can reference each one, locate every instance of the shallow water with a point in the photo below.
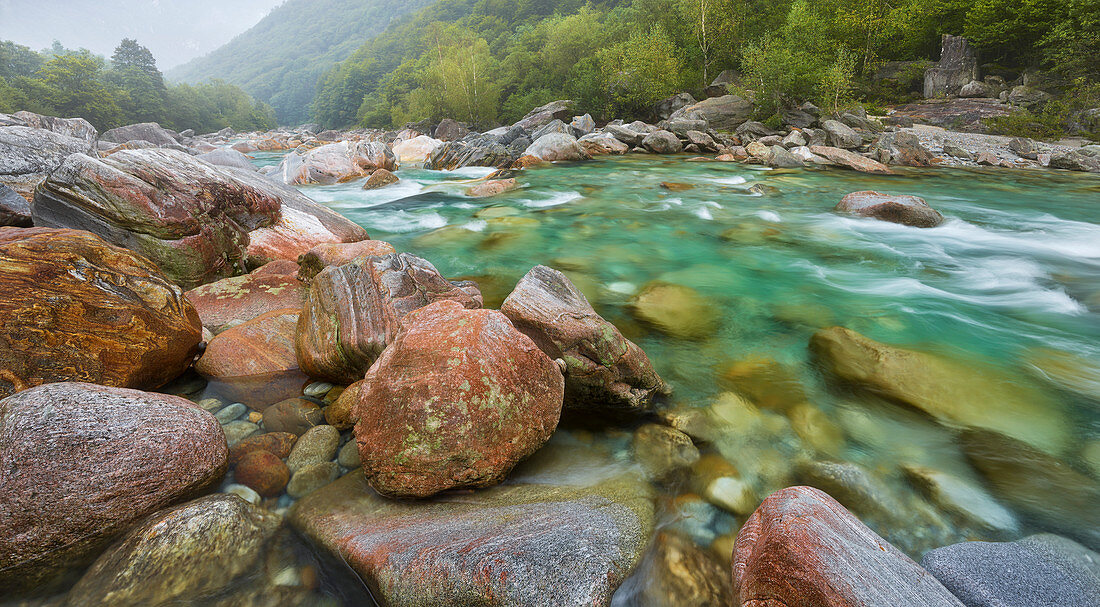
(1012, 277)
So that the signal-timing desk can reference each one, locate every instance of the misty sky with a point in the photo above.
(175, 30)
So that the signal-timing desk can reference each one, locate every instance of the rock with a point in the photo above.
(245, 493)
(1037, 484)
(815, 429)
(666, 107)
(794, 139)
(901, 148)
(349, 456)
(294, 415)
(145, 131)
(1040, 570)
(720, 85)
(757, 151)
(596, 144)
(554, 126)
(230, 413)
(801, 117)
(704, 141)
(1073, 160)
(895, 208)
(80, 464)
(380, 178)
(342, 412)
(297, 231)
(851, 160)
(953, 149)
(626, 134)
(677, 572)
(555, 110)
(326, 255)
(753, 131)
(1027, 97)
(74, 308)
(353, 311)
(194, 550)
(957, 67)
(975, 88)
(336, 163)
(244, 298)
(457, 400)
(681, 126)
(28, 155)
(311, 478)
(15, 211)
(861, 122)
(255, 362)
(279, 443)
(450, 130)
(801, 547)
(513, 545)
(262, 471)
(606, 375)
(69, 127)
(724, 113)
(415, 151)
(953, 392)
(1024, 148)
(228, 158)
(675, 310)
(238, 430)
(582, 125)
(840, 135)
(480, 150)
(317, 445)
(1067, 371)
(962, 498)
(492, 187)
(662, 142)
(555, 147)
(778, 156)
(663, 451)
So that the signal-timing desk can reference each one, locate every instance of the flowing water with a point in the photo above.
(1011, 282)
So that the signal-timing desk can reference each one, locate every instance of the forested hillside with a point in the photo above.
(280, 59)
(489, 61)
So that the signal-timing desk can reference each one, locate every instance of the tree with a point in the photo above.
(72, 87)
(134, 71)
(640, 71)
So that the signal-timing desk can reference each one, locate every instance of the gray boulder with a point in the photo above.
(557, 147)
(901, 148)
(957, 67)
(145, 131)
(662, 142)
(720, 85)
(803, 116)
(779, 157)
(975, 88)
(554, 126)
(666, 107)
(227, 157)
(474, 150)
(70, 127)
(1074, 160)
(14, 209)
(753, 130)
(28, 155)
(625, 134)
(450, 130)
(840, 135)
(583, 125)
(560, 110)
(1027, 97)
(903, 209)
(723, 113)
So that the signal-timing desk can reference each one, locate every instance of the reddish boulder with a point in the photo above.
(278, 267)
(243, 298)
(263, 471)
(324, 255)
(279, 443)
(80, 464)
(803, 549)
(254, 363)
(605, 373)
(380, 179)
(896, 208)
(353, 311)
(457, 400)
(74, 308)
(490, 188)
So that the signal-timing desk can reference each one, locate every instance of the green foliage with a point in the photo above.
(640, 71)
(1063, 114)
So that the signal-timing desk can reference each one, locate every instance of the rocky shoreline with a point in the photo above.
(196, 359)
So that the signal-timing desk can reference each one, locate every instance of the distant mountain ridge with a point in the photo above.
(280, 59)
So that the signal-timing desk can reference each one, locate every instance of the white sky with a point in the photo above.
(175, 30)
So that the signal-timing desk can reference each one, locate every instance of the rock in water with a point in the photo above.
(457, 400)
(492, 187)
(80, 464)
(187, 553)
(953, 392)
(518, 545)
(353, 311)
(605, 373)
(336, 163)
(677, 572)
(896, 208)
(73, 307)
(554, 147)
(1038, 571)
(675, 310)
(243, 298)
(803, 549)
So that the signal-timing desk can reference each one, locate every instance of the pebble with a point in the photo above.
(264, 472)
(230, 413)
(349, 455)
(311, 478)
(733, 494)
(244, 492)
(318, 389)
(279, 443)
(236, 431)
(212, 404)
(318, 444)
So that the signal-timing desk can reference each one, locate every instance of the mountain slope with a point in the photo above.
(281, 58)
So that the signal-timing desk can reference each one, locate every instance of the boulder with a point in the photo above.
(951, 391)
(325, 255)
(415, 151)
(554, 147)
(666, 107)
(293, 416)
(675, 310)
(74, 308)
(976, 88)
(80, 464)
(475, 150)
(1041, 570)
(380, 179)
(354, 311)
(185, 215)
(779, 157)
(145, 131)
(28, 155)
(192, 552)
(801, 117)
(1027, 97)
(554, 126)
(1073, 160)
(450, 130)
(901, 148)
(724, 113)
(663, 452)
(801, 548)
(490, 188)
(69, 127)
(625, 134)
(662, 142)
(606, 375)
(457, 400)
(255, 363)
(263, 472)
(243, 298)
(15, 211)
(896, 208)
(336, 162)
(677, 572)
(840, 135)
(582, 125)
(851, 160)
(544, 114)
(598, 144)
(720, 85)
(226, 157)
(514, 545)
(957, 67)
(341, 414)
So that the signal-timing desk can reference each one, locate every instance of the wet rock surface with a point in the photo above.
(243, 298)
(896, 208)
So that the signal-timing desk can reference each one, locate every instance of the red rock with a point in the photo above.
(803, 549)
(294, 415)
(243, 298)
(457, 400)
(353, 311)
(80, 464)
(324, 255)
(278, 267)
(528, 161)
(341, 413)
(74, 308)
(492, 187)
(279, 443)
(255, 363)
(851, 160)
(896, 208)
(380, 179)
(263, 471)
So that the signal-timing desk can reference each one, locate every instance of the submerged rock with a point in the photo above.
(74, 308)
(802, 548)
(80, 464)
(263, 472)
(896, 208)
(353, 311)
(492, 187)
(605, 373)
(953, 392)
(516, 545)
(457, 400)
(677, 572)
(663, 451)
(676, 310)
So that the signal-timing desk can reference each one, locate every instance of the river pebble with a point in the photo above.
(349, 455)
(230, 413)
(318, 389)
(311, 478)
(236, 431)
(317, 445)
